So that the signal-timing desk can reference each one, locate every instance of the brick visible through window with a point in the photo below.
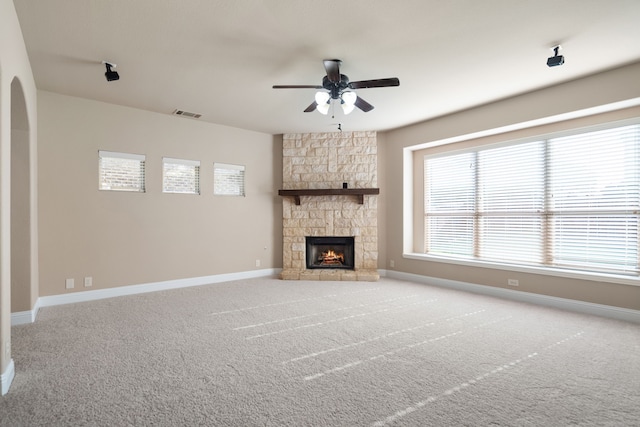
(121, 171)
(180, 176)
(228, 180)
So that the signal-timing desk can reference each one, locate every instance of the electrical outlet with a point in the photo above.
(257, 263)
(513, 282)
(88, 281)
(392, 263)
(69, 284)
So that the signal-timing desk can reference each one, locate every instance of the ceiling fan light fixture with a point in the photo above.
(335, 85)
(346, 108)
(322, 99)
(348, 102)
(323, 108)
(349, 98)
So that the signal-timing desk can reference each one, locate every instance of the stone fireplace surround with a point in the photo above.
(321, 161)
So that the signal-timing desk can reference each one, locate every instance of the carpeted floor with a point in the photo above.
(267, 352)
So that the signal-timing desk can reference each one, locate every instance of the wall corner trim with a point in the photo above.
(7, 377)
(618, 313)
(24, 317)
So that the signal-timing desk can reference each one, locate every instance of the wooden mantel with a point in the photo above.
(358, 192)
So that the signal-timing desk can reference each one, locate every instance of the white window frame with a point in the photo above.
(413, 200)
(220, 170)
(114, 156)
(193, 165)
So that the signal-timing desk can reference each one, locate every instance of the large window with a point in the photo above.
(570, 202)
(121, 171)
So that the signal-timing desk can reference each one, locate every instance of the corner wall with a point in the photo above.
(614, 86)
(15, 72)
(122, 238)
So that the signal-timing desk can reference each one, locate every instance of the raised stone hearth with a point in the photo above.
(327, 161)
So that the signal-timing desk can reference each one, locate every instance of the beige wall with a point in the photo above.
(121, 238)
(383, 172)
(17, 118)
(20, 222)
(614, 86)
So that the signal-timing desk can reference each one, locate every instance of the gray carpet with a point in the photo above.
(267, 352)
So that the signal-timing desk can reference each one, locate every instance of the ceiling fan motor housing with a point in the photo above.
(336, 88)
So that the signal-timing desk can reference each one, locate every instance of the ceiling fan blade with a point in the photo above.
(297, 87)
(363, 105)
(332, 66)
(311, 107)
(364, 84)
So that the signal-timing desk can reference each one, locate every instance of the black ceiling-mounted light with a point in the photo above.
(110, 74)
(556, 59)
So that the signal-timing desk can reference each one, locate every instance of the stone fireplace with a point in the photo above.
(329, 191)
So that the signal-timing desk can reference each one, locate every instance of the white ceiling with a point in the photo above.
(221, 57)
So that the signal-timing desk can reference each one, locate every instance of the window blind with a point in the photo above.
(450, 204)
(594, 199)
(510, 203)
(121, 171)
(228, 180)
(180, 176)
(570, 202)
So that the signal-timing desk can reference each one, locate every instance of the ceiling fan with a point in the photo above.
(336, 86)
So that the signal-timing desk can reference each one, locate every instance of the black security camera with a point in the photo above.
(110, 74)
(556, 59)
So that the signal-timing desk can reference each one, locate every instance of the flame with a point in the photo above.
(332, 257)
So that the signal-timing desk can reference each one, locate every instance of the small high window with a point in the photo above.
(121, 171)
(180, 176)
(228, 180)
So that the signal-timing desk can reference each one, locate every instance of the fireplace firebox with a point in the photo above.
(330, 252)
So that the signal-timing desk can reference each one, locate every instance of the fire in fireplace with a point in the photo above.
(330, 252)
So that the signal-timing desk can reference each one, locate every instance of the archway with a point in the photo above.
(21, 280)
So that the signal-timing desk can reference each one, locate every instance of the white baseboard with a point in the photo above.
(24, 317)
(602, 310)
(48, 301)
(6, 378)
(561, 303)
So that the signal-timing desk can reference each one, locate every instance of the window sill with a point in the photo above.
(557, 272)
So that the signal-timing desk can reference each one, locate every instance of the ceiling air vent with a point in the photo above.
(187, 114)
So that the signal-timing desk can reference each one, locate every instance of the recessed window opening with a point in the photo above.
(180, 176)
(569, 202)
(121, 171)
(228, 180)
